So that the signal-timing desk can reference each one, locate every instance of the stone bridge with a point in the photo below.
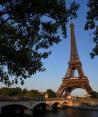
(41, 104)
(30, 105)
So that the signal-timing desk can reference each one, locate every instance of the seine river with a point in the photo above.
(69, 113)
(63, 113)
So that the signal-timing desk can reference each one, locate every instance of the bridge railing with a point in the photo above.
(7, 98)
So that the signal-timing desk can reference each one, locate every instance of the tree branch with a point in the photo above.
(1, 23)
(3, 12)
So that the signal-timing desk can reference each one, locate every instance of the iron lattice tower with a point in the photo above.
(70, 81)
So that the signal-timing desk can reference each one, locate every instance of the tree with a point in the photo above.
(15, 91)
(24, 92)
(10, 91)
(50, 93)
(4, 91)
(92, 24)
(95, 94)
(30, 93)
(34, 93)
(25, 36)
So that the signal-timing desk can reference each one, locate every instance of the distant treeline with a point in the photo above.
(18, 92)
(5, 91)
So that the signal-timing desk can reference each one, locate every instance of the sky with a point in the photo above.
(57, 63)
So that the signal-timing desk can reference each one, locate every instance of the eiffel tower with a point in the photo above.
(71, 82)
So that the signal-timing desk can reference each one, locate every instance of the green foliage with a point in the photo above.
(10, 91)
(92, 24)
(24, 35)
(19, 92)
(95, 94)
(30, 93)
(34, 93)
(50, 93)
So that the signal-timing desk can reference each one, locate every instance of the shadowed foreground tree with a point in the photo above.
(27, 29)
(92, 24)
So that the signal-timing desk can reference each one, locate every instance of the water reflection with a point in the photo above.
(80, 113)
(68, 113)
(77, 113)
(61, 113)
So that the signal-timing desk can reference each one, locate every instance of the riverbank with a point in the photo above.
(84, 106)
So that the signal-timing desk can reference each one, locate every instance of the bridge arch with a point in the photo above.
(40, 107)
(13, 109)
(65, 103)
(55, 106)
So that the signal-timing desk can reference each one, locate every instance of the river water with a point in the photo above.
(69, 112)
